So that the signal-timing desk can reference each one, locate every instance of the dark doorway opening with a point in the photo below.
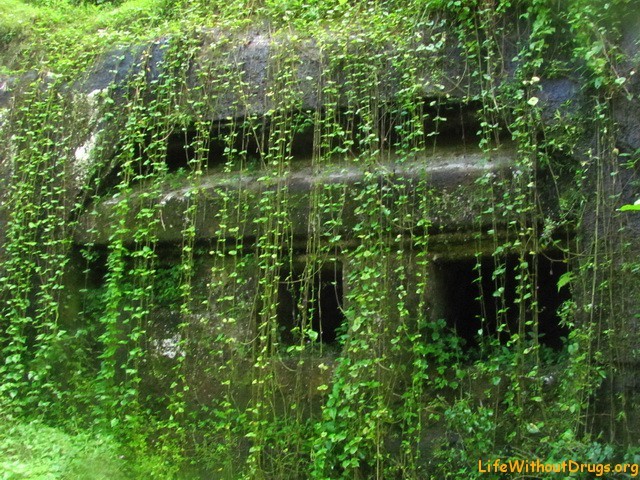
(181, 151)
(481, 297)
(310, 306)
(241, 143)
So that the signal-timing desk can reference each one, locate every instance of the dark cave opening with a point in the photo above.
(181, 152)
(311, 304)
(244, 143)
(244, 146)
(481, 297)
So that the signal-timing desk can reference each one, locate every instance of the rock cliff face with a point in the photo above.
(93, 149)
(246, 224)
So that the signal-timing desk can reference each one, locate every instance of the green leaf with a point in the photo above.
(564, 279)
(630, 208)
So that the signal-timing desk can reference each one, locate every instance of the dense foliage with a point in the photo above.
(398, 394)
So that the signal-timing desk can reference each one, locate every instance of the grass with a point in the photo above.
(36, 451)
(57, 32)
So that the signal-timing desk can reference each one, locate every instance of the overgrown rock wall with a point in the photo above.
(346, 251)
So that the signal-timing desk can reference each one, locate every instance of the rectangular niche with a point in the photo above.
(181, 152)
(463, 292)
(298, 135)
(250, 141)
(311, 302)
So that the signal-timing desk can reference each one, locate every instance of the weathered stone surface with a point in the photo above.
(560, 96)
(451, 172)
(6, 85)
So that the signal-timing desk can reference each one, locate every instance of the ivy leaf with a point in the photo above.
(631, 208)
(564, 279)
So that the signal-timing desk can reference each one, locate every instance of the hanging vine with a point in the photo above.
(234, 252)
